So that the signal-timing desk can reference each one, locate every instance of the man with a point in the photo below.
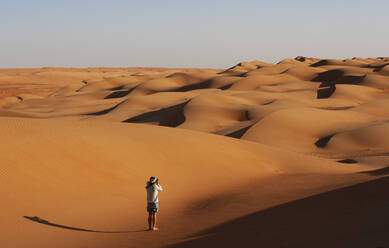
(153, 188)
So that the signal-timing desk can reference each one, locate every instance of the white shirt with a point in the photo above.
(152, 193)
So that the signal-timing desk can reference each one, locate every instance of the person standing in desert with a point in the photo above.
(153, 188)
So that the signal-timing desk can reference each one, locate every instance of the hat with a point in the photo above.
(153, 179)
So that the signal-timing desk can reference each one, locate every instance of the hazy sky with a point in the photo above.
(35, 33)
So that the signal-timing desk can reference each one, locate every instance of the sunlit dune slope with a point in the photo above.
(257, 141)
(304, 98)
(91, 174)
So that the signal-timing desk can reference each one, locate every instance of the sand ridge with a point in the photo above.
(312, 91)
(79, 143)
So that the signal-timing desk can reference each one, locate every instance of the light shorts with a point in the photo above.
(152, 207)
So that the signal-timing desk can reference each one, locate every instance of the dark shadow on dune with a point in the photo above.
(45, 222)
(246, 116)
(239, 133)
(243, 74)
(284, 72)
(378, 172)
(376, 68)
(322, 142)
(328, 76)
(85, 84)
(347, 161)
(268, 103)
(300, 58)
(117, 88)
(226, 87)
(350, 79)
(119, 93)
(338, 108)
(320, 63)
(105, 111)
(239, 129)
(79, 89)
(355, 216)
(229, 69)
(171, 116)
(337, 77)
(325, 90)
(232, 73)
(196, 86)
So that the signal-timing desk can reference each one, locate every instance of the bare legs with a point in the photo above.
(155, 221)
(152, 221)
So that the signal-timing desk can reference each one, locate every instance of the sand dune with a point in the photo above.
(338, 218)
(257, 152)
(90, 175)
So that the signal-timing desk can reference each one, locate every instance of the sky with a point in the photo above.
(180, 33)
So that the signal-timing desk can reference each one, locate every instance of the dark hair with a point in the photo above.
(149, 184)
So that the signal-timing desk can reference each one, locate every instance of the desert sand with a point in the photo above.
(293, 154)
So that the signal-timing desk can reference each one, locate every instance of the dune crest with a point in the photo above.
(257, 141)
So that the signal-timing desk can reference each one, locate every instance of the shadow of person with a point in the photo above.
(45, 222)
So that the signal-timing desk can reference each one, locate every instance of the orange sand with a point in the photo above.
(247, 156)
